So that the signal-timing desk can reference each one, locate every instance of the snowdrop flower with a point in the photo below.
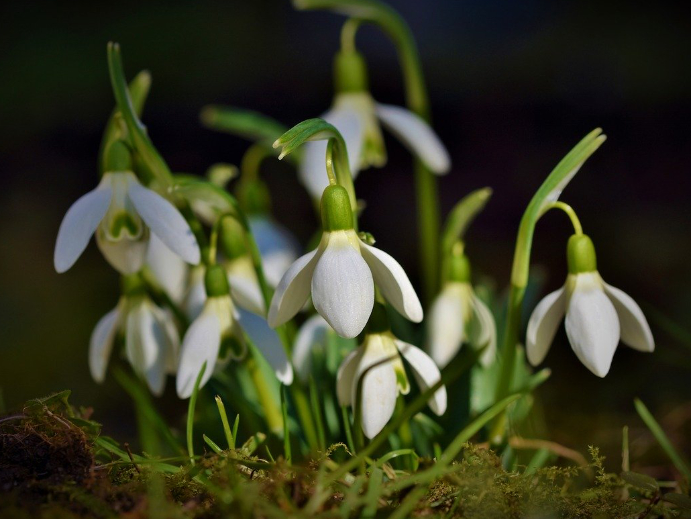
(378, 363)
(340, 275)
(151, 338)
(122, 213)
(217, 335)
(597, 314)
(169, 270)
(357, 116)
(277, 246)
(457, 316)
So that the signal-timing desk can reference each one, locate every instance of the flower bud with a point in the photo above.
(580, 253)
(335, 209)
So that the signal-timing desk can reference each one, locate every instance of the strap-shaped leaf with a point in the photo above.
(248, 124)
(148, 154)
(139, 90)
(549, 191)
(461, 216)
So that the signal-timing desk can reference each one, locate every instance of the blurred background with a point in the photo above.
(514, 85)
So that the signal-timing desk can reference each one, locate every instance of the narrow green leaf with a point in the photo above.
(139, 90)
(230, 438)
(461, 216)
(317, 414)
(287, 452)
(248, 124)
(372, 495)
(137, 131)
(211, 444)
(679, 462)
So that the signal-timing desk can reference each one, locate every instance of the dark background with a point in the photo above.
(514, 85)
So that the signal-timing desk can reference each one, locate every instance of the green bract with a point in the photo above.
(581, 254)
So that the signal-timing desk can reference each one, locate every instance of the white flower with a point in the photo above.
(379, 365)
(122, 212)
(169, 270)
(196, 293)
(457, 316)
(340, 275)
(312, 334)
(151, 341)
(217, 333)
(277, 246)
(244, 285)
(597, 315)
(356, 116)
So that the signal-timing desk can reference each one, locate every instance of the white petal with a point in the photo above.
(635, 331)
(446, 328)
(426, 374)
(342, 285)
(483, 331)
(79, 223)
(393, 282)
(379, 386)
(125, 255)
(312, 169)
(543, 325)
(171, 350)
(101, 344)
(277, 246)
(146, 343)
(345, 377)
(165, 221)
(312, 334)
(201, 344)
(417, 135)
(268, 343)
(244, 286)
(592, 326)
(196, 294)
(293, 290)
(168, 268)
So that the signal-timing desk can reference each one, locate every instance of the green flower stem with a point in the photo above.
(348, 32)
(543, 199)
(272, 411)
(577, 227)
(417, 100)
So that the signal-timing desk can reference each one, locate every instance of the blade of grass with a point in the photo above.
(287, 453)
(372, 496)
(317, 414)
(230, 438)
(211, 444)
(679, 462)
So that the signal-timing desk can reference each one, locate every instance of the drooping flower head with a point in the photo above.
(378, 368)
(217, 335)
(340, 275)
(598, 315)
(151, 338)
(357, 116)
(458, 316)
(122, 213)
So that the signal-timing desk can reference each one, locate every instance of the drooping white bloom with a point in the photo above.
(122, 213)
(340, 275)
(312, 335)
(378, 363)
(217, 334)
(151, 341)
(169, 270)
(277, 246)
(357, 116)
(244, 285)
(457, 316)
(598, 315)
